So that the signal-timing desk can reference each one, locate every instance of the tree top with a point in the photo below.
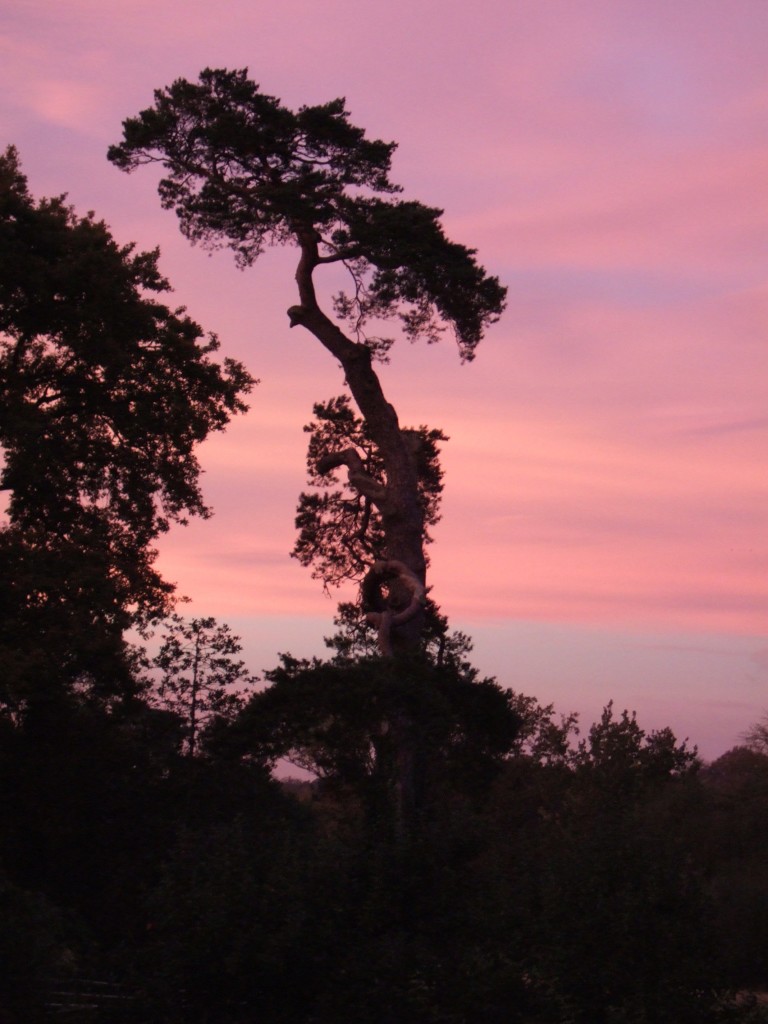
(245, 172)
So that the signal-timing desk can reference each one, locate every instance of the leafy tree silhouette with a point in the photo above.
(106, 395)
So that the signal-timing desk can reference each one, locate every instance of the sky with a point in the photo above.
(604, 520)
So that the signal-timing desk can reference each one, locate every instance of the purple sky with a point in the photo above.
(604, 531)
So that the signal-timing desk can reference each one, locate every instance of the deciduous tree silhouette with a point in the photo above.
(106, 394)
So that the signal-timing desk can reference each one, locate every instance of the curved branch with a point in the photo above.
(355, 359)
(358, 478)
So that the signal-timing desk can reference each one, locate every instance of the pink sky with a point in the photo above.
(604, 532)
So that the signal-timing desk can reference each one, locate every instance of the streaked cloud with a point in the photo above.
(606, 468)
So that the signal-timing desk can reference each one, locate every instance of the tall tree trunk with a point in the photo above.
(398, 502)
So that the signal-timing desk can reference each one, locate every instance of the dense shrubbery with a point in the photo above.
(611, 881)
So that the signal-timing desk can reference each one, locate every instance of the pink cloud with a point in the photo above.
(607, 451)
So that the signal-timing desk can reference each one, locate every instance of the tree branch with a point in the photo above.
(358, 478)
(342, 254)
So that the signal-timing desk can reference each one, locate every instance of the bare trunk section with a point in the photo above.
(398, 502)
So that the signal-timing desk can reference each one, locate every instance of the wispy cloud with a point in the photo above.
(607, 453)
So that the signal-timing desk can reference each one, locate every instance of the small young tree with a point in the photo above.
(201, 680)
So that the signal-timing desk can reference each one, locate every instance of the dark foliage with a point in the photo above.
(340, 529)
(244, 171)
(336, 720)
(106, 394)
(542, 884)
(355, 639)
(202, 681)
